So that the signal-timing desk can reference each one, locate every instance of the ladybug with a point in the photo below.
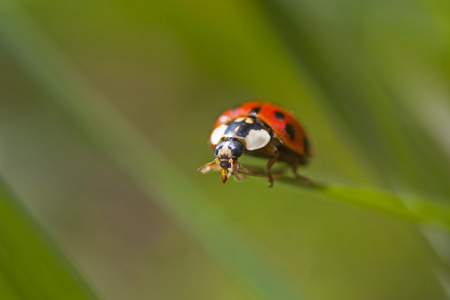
(259, 129)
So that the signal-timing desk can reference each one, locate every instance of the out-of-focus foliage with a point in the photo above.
(105, 106)
(30, 268)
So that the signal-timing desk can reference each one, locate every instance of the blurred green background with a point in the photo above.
(106, 107)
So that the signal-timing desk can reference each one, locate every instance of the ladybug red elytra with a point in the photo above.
(259, 129)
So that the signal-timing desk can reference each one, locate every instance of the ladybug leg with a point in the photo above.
(299, 177)
(271, 150)
(211, 166)
(249, 171)
(240, 172)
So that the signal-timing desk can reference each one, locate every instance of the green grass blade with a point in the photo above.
(409, 208)
(30, 266)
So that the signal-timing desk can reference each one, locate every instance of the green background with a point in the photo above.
(105, 111)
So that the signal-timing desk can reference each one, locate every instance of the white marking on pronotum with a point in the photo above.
(217, 134)
(239, 119)
(249, 121)
(257, 139)
(224, 151)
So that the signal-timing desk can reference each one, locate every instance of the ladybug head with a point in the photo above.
(227, 153)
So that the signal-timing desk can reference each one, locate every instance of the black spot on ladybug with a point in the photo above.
(279, 115)
(290, 130)
(306, 145)
(254, 111)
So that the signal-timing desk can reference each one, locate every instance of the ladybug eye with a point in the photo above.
(218, 147)
(236, 147)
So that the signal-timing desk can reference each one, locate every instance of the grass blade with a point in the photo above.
(30, 266)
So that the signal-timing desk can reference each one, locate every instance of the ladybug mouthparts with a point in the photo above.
(227, 169)
(225, 164)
